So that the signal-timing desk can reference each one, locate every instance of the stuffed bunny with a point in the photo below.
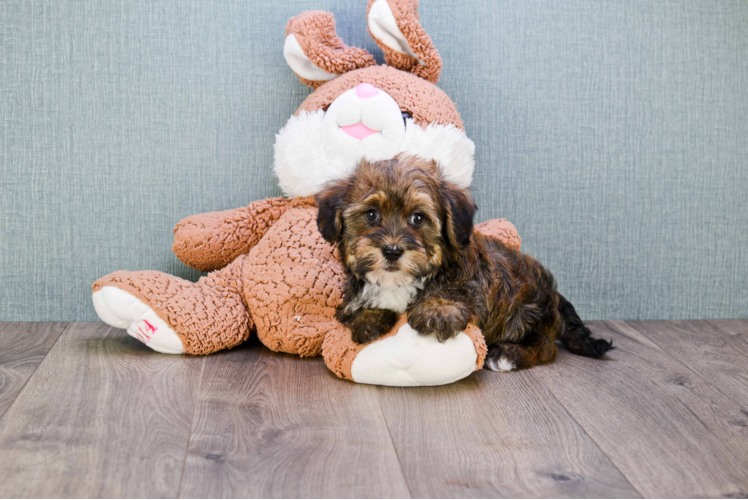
(271, 272)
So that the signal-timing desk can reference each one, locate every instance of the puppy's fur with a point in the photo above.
(406, 238)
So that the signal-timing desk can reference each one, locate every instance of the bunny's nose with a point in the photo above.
(366, 90)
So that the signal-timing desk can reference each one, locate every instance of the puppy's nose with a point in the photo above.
(392, 252)
(366, 90)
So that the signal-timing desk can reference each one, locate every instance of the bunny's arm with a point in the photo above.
(212, 240)
(502, 230)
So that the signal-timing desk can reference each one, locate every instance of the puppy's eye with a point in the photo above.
(416, 219)
(372, 215)
(406, 116)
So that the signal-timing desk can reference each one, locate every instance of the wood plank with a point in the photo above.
(103, 416)
(274, 425)
(716, 350)
(731, 326)
(22, 347)
(667, 430)
(495, 435)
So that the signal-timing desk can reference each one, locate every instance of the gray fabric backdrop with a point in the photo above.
(614, 134)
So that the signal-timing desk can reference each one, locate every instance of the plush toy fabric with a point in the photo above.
(270, 271)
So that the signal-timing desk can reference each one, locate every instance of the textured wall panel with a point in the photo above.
(613, 134)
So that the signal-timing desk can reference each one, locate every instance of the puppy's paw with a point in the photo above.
(370, 324)
(444, 318)
(500, 359)
(362, 333)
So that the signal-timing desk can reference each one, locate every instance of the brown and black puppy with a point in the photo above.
(406, 238)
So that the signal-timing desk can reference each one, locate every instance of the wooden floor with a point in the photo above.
(86, 411)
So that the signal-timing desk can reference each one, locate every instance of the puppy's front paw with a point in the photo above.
(443, 318)
(363, 333)
(370, 324)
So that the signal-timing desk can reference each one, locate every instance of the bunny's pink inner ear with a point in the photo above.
(316, 53)
(395, 27)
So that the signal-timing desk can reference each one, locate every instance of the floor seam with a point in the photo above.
(192, 425)
(571, 416)
(7, 410)
(392, 441)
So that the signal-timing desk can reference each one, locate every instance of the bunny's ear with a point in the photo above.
(316, 53)
(395, 27)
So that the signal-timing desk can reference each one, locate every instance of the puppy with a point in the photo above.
(406, 238)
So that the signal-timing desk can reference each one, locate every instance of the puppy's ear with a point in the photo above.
(330, 217)
(459, 212)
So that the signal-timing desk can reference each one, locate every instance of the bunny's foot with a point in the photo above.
(172, 315)
(404, 358)
(119, 309)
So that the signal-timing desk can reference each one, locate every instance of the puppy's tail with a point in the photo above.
(576, 337)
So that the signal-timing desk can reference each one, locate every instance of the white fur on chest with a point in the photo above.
(393, 298)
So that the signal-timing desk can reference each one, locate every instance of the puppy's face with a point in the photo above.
(396, 221)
